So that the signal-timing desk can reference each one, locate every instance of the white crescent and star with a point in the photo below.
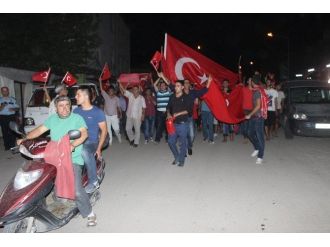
(44, 75)
(179, 65)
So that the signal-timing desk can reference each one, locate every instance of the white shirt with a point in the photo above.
(280, 98)
(272, 95)
(135, 105)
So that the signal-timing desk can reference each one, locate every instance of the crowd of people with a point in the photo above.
(127, 111)
(149, 108)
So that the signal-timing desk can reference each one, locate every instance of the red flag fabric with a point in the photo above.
(134, 79)
(69, 79)
(155, 61)
(224, 109)
(182, 62)
(41, 76)
(106, 73)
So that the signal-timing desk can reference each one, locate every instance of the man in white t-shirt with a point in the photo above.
(272, 107)
(135, 113)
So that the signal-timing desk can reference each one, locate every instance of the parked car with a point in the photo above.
(37, 109)
(306, 110)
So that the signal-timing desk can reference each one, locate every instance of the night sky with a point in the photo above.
(224, 37)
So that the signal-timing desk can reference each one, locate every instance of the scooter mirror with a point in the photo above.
(74, 134)
(14, 127)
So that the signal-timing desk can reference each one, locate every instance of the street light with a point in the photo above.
(271, 35)
(199, 47)
(251, 63)
(311, 70)
(328, 65)
(299, 75)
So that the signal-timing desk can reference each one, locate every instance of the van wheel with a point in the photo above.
(287, 131)
(21, 226)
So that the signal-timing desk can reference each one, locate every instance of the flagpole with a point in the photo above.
(102, 71)
(64, 77)
(165, 45)
(239, 69)
(47, 77)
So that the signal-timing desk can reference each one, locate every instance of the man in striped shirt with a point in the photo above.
(163, 93)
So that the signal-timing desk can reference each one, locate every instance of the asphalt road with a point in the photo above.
(220, 188)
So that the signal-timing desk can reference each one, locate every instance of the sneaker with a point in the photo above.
(91, 220)
(131, 143)
(215, 134)
(189, 151)
(211, 142)
(135, 145)
(146, 142)
(259, 161)
(204, 140)
(181, 164)
(90, 188)
(255, 153)
(175, 162)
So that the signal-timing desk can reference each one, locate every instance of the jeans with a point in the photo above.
(207, 125)
(181, 134)
(149, 124)
(88, 151)
(191, 132)
(82, 199)
(256, 135)
(160, 128)
(227, 129)
(244, 128)
(136, 123)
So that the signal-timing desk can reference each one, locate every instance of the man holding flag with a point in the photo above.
(179, 110)
(60, 90)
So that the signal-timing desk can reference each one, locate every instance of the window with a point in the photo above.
(310, 95)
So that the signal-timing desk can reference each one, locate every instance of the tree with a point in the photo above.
(36, 41)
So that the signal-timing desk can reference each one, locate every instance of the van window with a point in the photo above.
(310, 95)
(38, 98)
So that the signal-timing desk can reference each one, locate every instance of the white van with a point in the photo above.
(37, 109)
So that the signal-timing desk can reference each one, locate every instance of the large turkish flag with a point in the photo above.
(182, 62)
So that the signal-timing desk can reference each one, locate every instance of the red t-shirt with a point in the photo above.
(195, 111)
(247, 99)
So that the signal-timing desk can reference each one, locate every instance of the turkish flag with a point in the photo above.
(155, 61)
(134, 79)
(41, 76)
(69, 79)
(182, 62)
(106, 73)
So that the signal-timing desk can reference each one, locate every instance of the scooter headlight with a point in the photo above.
(23, 179)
